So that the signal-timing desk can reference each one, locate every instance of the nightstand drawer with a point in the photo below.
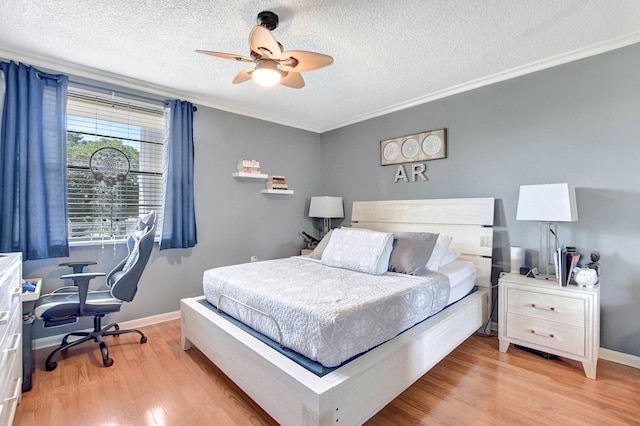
(566, 310)
(551, 335)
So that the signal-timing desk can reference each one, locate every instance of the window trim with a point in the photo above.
(126, 101)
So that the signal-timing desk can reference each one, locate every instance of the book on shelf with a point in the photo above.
(276, 178)
(243, 162)
(277, 186)
(249, 170)
(278, 189)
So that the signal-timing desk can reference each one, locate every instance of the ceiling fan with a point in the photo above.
(272, 64)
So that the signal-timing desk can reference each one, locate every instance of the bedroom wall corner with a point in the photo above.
(575, 123)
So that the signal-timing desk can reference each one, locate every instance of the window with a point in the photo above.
(114, 165)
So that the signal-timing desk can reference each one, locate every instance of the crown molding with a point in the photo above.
(551, 62)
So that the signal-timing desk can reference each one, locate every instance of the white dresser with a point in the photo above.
(539, 314)
(10, 335)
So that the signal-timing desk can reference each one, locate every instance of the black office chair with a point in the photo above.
(60, 308)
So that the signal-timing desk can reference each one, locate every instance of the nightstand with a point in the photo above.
(539, 314)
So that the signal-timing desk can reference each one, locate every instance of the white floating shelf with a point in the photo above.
(278, 191)
(260, 176)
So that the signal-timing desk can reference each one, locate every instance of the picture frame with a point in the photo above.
(424, 146)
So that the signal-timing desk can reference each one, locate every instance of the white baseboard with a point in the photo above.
(46, 342)
(619, 357)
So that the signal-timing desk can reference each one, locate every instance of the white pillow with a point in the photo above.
(439, 252)
(359, 250)
(450, 256)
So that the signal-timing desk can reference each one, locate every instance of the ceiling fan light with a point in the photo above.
(266, 73)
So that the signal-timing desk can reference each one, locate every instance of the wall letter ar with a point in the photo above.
(418, 169)
(401, 174)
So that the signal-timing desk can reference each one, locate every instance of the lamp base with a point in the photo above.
(326, 227)
(547, 267)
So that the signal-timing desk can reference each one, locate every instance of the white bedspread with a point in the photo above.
(327, 314)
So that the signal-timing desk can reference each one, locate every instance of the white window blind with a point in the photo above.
(114, 165)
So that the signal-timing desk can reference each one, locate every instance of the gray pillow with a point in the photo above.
(411, 251)
(317, 252)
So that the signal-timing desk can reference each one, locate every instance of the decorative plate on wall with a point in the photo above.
(391, 151)
(425, 146)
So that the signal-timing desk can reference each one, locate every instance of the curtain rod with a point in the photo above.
(195, 108)
(122, 93)
(56, 77)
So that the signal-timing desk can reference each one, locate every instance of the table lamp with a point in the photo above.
(326, 208)
(547, 204)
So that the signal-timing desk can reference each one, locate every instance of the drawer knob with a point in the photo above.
(551, 308)
(551, 336)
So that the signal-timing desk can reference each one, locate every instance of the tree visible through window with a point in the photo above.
(114, 165)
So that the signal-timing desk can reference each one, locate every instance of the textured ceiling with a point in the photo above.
(388, 54)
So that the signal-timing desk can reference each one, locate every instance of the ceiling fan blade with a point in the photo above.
(243, 76)
(293, 80)
(226, 55)
(301, 60)
(261, 41)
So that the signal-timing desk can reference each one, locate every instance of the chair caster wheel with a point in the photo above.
(143, 340)
(50, 366)
(108, 362)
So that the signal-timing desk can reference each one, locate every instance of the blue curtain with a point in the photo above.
(179, 217)
(33, 158)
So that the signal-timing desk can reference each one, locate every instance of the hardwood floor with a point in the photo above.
(160, 384)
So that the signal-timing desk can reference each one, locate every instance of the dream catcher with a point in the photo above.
(110, 168)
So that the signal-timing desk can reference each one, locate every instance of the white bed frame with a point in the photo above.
(356, 391)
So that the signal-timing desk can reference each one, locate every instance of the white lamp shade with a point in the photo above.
(547, 203)
(326, 207)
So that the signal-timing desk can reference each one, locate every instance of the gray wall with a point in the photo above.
(576, 123)
(234, 220)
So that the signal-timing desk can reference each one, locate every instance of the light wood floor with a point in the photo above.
(160, 384)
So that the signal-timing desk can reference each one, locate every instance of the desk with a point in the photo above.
(28, 301)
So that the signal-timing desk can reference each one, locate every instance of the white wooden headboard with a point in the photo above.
(468, 220)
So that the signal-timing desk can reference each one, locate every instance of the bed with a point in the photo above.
(355, 391)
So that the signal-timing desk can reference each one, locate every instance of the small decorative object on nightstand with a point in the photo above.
(594, 264)
(312, 242)
(538, 314)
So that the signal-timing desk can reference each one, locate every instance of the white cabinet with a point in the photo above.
(10, 335)
(541, 315)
